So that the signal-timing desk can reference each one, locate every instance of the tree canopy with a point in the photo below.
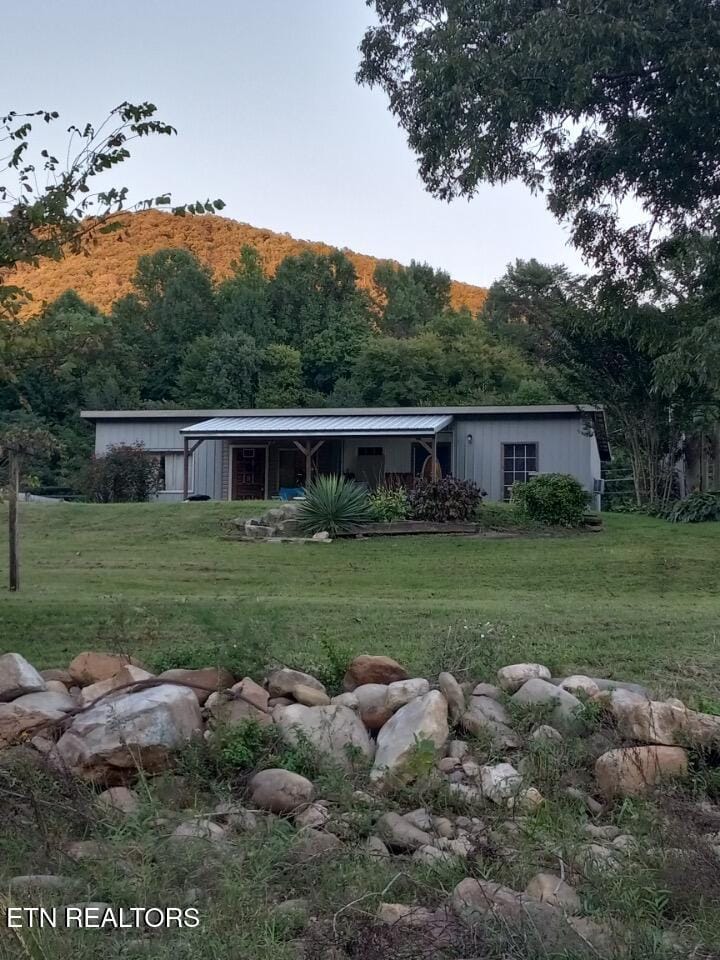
(593, 103)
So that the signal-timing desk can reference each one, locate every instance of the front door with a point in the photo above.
(249, 473)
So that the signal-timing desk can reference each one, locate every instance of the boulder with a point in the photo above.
(565, 705)
(457, 749)
(92, 667)
(490, 709)
(18, 677)
(119, 800)
(546, 734)
(499, 781)
(310, 845)
(453, 694)
(375, 847)
(336, 731)
(247, 689)
(397, 913)
(31, 884)
(63, 676)
(203, 681)
(230, 711)
(424, 719)
(526, 800)
(553, 890)
(124, 731)
(86, 850)
(632, 771)
(636, 688)
(580, 684)
(403, 691)
(280, 791)
(542, 926)
(477, 723)
(200, 829)
(421, 818)
(433, 855)
(292, 915)
(315, 815)
(16, 722)
(487, 690)
(655, 721)
(56, 686)
(400, 834)
(282, 683)
(372, 704)
(369, 669)
(310, 697)
(513, 677)
(124, 676)
(47, 702)
(347, 700)
(258, 531)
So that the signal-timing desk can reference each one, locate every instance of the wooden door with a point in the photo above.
(249, 473)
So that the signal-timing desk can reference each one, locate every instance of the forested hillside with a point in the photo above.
(104, 271)
(308, 333)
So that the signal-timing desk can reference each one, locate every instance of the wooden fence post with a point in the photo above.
(13, 531)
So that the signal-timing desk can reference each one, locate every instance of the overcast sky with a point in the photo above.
(269, 118)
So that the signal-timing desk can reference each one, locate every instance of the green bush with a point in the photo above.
(444, 500)
(697, 508)
(334, 504)
(389, 503)
(551, 498)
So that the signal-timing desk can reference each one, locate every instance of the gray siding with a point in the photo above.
(563, 447)
(163, 436)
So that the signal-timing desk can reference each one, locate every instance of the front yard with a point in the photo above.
(641, 600)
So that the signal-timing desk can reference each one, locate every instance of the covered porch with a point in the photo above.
(270, 456)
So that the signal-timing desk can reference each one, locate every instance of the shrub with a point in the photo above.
(697, 508)
(389, 503)
(552, 498)
(443, 500)
(126, 474)
(334, 504)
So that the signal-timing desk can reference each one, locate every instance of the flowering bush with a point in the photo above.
(444, 500)
(389, 503)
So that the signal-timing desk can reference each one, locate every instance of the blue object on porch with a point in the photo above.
(289, 493)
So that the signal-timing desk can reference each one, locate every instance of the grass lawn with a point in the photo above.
(641, 600)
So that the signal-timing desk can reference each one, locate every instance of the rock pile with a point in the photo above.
(105, 717)
(278, 523)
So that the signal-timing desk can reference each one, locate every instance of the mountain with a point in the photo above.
(104, 271)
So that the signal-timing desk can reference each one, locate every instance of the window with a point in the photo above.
(170, 471)
(370, 451)
(162, 474)
(519, 460)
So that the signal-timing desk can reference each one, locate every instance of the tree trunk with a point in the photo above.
(13, 530)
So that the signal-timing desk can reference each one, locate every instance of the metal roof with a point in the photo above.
(320, 426)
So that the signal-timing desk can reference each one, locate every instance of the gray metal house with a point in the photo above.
(259, 454)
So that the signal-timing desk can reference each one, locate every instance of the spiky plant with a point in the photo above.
(334, 504)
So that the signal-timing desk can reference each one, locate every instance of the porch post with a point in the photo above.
(186, 466)
(434, 464)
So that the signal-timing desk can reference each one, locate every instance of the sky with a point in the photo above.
(269, 119)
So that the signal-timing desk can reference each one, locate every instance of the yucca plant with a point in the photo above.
(334, 504)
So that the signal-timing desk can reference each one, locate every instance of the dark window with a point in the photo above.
(519, 461)
(162, 475)
(420, 455)
(370, 451)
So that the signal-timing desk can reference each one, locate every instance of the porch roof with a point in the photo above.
(395, 425)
